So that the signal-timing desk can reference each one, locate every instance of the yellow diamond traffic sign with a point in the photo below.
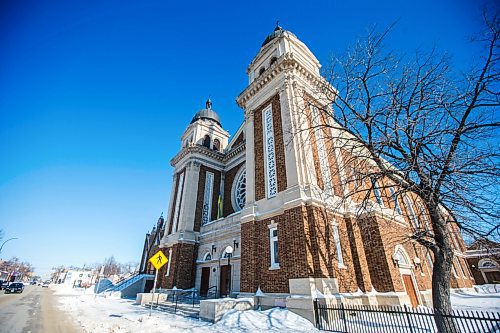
(158, 260)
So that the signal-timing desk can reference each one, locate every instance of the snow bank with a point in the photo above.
(276, 319)
(67, 290)
(101, 315)
(475, 301)
(488, 288)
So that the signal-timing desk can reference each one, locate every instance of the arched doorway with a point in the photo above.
(490, 270)
(405, 266)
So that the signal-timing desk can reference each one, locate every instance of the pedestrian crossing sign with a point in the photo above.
(158, 260)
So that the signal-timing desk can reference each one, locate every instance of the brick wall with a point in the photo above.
(201, 192)
(473, 266)
(323, 257)
(182, 266)
(239, 140)
(255, 253)
(376, 256)
(326, 134)
(260, 186)
(306, 249)
(228, 184)
(359, 262)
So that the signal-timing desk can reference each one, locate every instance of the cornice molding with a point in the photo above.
(202, 150)
(286, 63)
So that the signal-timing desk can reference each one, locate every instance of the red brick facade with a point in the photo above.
(307, 249)
(182, 267)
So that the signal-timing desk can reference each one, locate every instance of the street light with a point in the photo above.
(1, 247)
(229, 251)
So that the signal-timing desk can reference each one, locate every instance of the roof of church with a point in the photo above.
(207, 113)
(276, 33)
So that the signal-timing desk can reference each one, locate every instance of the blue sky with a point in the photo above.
(94, 96)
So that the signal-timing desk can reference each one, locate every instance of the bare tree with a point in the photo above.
(416, 125)
(18, 268)
(111, 266)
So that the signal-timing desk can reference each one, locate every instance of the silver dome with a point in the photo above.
(206, 114)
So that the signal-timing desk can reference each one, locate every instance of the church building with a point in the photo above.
(259, 209)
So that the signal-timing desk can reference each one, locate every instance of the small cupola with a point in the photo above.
(207, 113)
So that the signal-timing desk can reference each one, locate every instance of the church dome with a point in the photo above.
(278, 31)
(207, 113)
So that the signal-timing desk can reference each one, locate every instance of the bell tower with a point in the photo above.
(283, 77)
(197, 169)
(284, 176)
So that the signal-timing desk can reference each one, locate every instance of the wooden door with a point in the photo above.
(205, 281)
(493, 277)
(410, 290)
(225, 273)
(148, 286)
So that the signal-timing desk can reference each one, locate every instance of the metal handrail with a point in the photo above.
(214, 292)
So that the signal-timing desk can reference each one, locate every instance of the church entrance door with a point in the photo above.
(205, 281)
(410, 289)
(225, 273)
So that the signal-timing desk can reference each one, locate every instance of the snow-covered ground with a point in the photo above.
(484, 301)
(103, 315)
(106, 315)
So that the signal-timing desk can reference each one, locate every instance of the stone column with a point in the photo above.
(187, 215)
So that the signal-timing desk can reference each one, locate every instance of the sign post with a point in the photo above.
(158, 260)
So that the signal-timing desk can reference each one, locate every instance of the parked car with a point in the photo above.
(14, 287)
(46, 284)
(4, 284)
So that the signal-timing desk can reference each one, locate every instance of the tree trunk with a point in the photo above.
(441, 274)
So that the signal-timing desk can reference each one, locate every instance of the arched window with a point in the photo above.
(400, 258)
(273, 60)
(487, 263)
(262, 70)
(239, 190)
(206, 141)
(216, 144)
(207, 257)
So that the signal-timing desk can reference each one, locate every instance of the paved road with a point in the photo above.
(33, 311)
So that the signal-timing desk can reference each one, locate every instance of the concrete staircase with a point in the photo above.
(128, 286)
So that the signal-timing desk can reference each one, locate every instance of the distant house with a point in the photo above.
(78, 278)
(483, 257)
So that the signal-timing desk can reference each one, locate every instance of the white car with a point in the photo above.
(46, 284)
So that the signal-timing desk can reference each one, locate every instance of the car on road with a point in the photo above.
(14, 287)
(46, 284)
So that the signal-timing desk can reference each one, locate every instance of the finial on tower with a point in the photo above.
(208, 104)
(277, 26)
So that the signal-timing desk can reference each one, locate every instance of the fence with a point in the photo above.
(363, 318)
